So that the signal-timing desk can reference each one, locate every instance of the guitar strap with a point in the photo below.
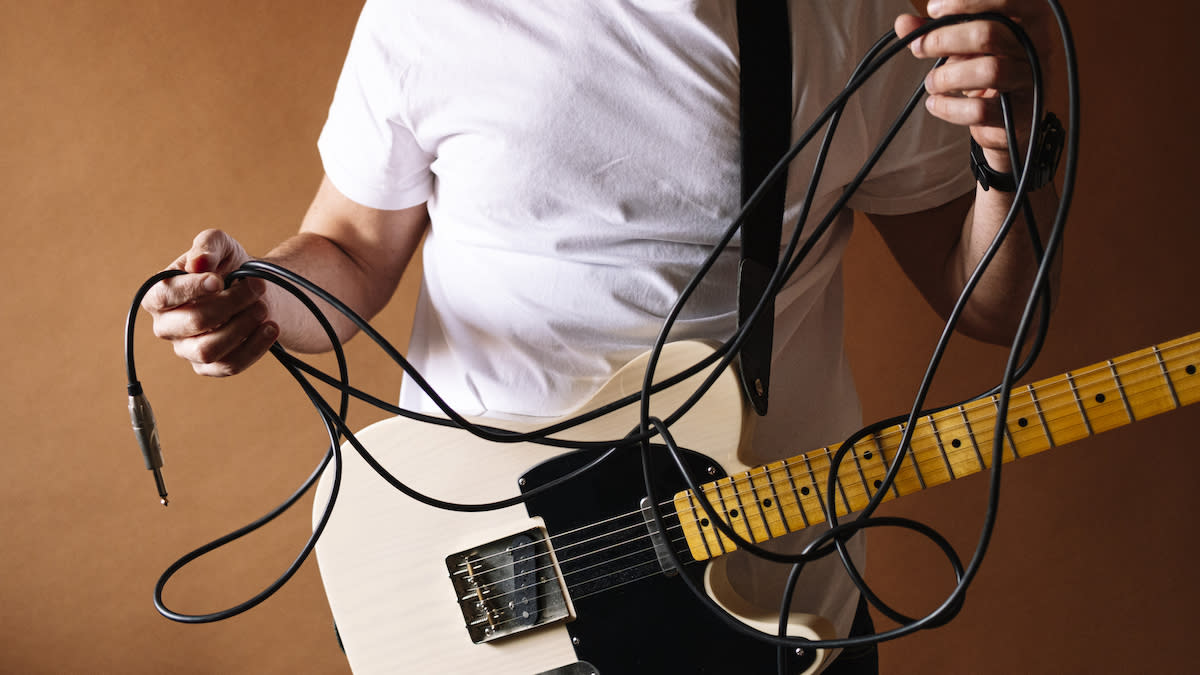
(764, 42)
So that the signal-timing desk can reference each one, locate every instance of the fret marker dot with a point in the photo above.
(1023, 422)
(867, 455)
(878, 483)
(804, 491)
(704, 522)
(733, 513)
(1191, 370)
(1099, 398)
(956, 443)
(767, 503)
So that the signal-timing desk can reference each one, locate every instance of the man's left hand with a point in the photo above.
(984, 59)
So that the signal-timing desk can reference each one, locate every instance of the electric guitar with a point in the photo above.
(575, 581)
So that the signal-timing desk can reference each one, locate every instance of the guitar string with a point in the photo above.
(741, 482)
(1186, 386)
(654, 568)
(741, 485)
(1128, 382)
(850, 482)
(853, 484)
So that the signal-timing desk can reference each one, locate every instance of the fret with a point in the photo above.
(1166, 373)
(923, 448)
(826, 509)
(1102, 397)
(916, 468)
(1184, 355)
(733, 517)
(768, 532)
(707, 492)
(941, 448)
(1142, 381)
(1087, 424)
(1012, 446)
(883, 461)
(862, 478)
(778, 503)
(1037, 406)
(787, 468)
(1026, 436)
(904, 477)
(970, 437)
(1112, 367)
(837, 479)
(981, 427)
(705, 530)
(1061, 410)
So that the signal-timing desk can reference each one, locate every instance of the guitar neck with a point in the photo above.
(790, 495)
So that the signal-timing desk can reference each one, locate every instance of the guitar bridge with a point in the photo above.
(507, 586)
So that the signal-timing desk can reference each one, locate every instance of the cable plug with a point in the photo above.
(146, 430)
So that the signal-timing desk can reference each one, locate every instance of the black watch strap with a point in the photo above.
(1050, 140)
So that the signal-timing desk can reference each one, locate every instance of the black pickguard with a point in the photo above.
(648, 625)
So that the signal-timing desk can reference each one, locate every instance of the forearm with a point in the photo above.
(998, 300)
(326, 264)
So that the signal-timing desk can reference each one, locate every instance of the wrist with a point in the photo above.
(993, 167)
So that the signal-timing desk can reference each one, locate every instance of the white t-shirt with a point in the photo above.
(580, 158)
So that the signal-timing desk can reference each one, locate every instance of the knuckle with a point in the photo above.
(934, 42)
(213, 370)
(985, 37)
(208, 236)
(195, 323)
(207, 352)
(989, 72)
(976, 111)
(160, 329)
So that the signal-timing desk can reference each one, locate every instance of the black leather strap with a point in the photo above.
(764, 39)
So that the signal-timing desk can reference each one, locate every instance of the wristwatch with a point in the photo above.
(1045, 160)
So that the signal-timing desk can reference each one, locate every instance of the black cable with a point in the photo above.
(336, 425)
(954, 601)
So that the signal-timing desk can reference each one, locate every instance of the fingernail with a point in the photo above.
(212, 284)
(934, 7)
(270, 331)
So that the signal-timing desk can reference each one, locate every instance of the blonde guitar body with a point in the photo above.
(383, 556)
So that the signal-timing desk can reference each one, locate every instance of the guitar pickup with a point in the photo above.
(507, 586)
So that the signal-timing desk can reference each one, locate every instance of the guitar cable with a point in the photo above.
(1039, 296)
(830, 541)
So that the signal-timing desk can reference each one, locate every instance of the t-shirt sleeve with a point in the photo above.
(368, 149)
(927, 164)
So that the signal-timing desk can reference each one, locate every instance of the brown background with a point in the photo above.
(126, 127)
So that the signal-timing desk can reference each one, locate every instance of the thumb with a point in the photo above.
(213, 251)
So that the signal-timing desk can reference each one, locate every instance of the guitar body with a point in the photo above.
(572, 583)
(387, 560)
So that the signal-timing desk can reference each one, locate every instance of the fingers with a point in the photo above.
(979, 74)
(190, 314)
(222, 333)
(232, 348)
(220, 330)
(983, 59)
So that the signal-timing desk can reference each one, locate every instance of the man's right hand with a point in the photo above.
(220, 331)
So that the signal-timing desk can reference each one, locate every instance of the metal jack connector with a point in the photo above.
(146, 430)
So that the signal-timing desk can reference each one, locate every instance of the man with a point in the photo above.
(570, 163)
